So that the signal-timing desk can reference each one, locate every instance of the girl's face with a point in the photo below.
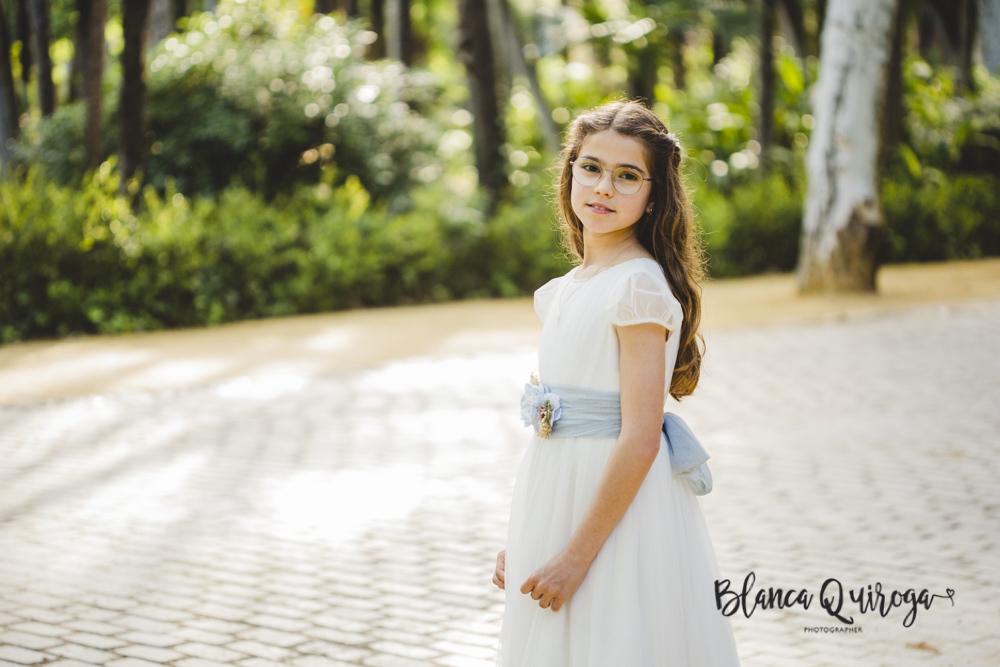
(600, 207)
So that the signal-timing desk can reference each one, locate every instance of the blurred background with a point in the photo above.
(176, 163)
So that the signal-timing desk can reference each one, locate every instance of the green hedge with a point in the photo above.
(79, 260)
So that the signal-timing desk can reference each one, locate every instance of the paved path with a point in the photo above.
(353, 519)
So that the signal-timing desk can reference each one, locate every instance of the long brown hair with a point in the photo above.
(667, 232)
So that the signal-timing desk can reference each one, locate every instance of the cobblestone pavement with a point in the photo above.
(354, 520)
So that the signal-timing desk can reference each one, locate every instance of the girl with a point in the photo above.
(608, 558)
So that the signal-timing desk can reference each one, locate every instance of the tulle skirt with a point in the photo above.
(648, 598)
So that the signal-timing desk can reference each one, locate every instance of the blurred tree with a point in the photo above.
(161, 21)
(989, 34)
(349, 7)
(133, 95)
(475, 50)
(38, 10)
(520, 65)
(399, 41)
(892, 109)
(765, 121)
(842, 225)
(24, 36)
(8, 99)
(88, 55)
(792, 10)
(677, 39)
(376, 49)
(949, 27)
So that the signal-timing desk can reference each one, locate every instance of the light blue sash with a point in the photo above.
(590, 412)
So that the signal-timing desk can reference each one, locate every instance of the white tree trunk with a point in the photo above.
(989, 33)
(161, 23)
(842, 225)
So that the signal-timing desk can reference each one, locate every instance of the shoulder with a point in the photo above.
(641, 293)
(545, 294)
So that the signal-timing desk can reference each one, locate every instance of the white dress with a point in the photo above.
(648, 598)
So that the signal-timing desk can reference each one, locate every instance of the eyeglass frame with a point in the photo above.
(604, 169)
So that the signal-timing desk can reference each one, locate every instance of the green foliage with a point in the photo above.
(254, 93)
(949, 130)
(752, 228)
(939, 217)
(81, 260)
(288, 174)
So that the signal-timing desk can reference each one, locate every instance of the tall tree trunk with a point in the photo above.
(820, 21)
(8, 100)
(966, 41)
(520, 65)
(677, 38)
(719, 47)
(323, 6)
(766, 89)
(350, 8)
(989, 34)
(79, 41)
(93, 17)
(642, 74)
(161, 21)
(133, 99)
(892, 111)
(377, 48)
(24, 36)
(842, 226)
(792, 10)
(39, 12)
(475, 50)
(180, 10)
(399, 45)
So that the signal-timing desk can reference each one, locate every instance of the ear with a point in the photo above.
(649, 209)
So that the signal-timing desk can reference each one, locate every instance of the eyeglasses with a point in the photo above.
(625, 179)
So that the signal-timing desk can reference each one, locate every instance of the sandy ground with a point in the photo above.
(320, 345)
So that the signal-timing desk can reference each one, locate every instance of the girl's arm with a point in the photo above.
(642, 368)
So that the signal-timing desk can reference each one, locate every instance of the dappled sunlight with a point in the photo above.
(261, 387)
(338, 506)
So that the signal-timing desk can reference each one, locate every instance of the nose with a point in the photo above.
(602, 188)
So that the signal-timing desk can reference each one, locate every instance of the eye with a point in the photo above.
(629, 176)
(589, 166)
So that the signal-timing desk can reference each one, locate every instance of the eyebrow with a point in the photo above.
(620, 164)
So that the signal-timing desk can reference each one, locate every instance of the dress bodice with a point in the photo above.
(579, 345)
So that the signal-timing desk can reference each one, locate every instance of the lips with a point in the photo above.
(600, 208)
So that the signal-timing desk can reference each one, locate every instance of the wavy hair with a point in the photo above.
(667, 232)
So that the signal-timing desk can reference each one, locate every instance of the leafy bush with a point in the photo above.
(940, 217)
(752, 228)
(80, 260)
(255, 93)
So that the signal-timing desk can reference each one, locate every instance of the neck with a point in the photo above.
(599, 249)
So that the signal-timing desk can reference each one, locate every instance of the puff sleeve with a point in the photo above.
(642, 297)
(544, 296)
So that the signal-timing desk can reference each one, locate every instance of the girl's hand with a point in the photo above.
(555, 582)
(499, 573)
